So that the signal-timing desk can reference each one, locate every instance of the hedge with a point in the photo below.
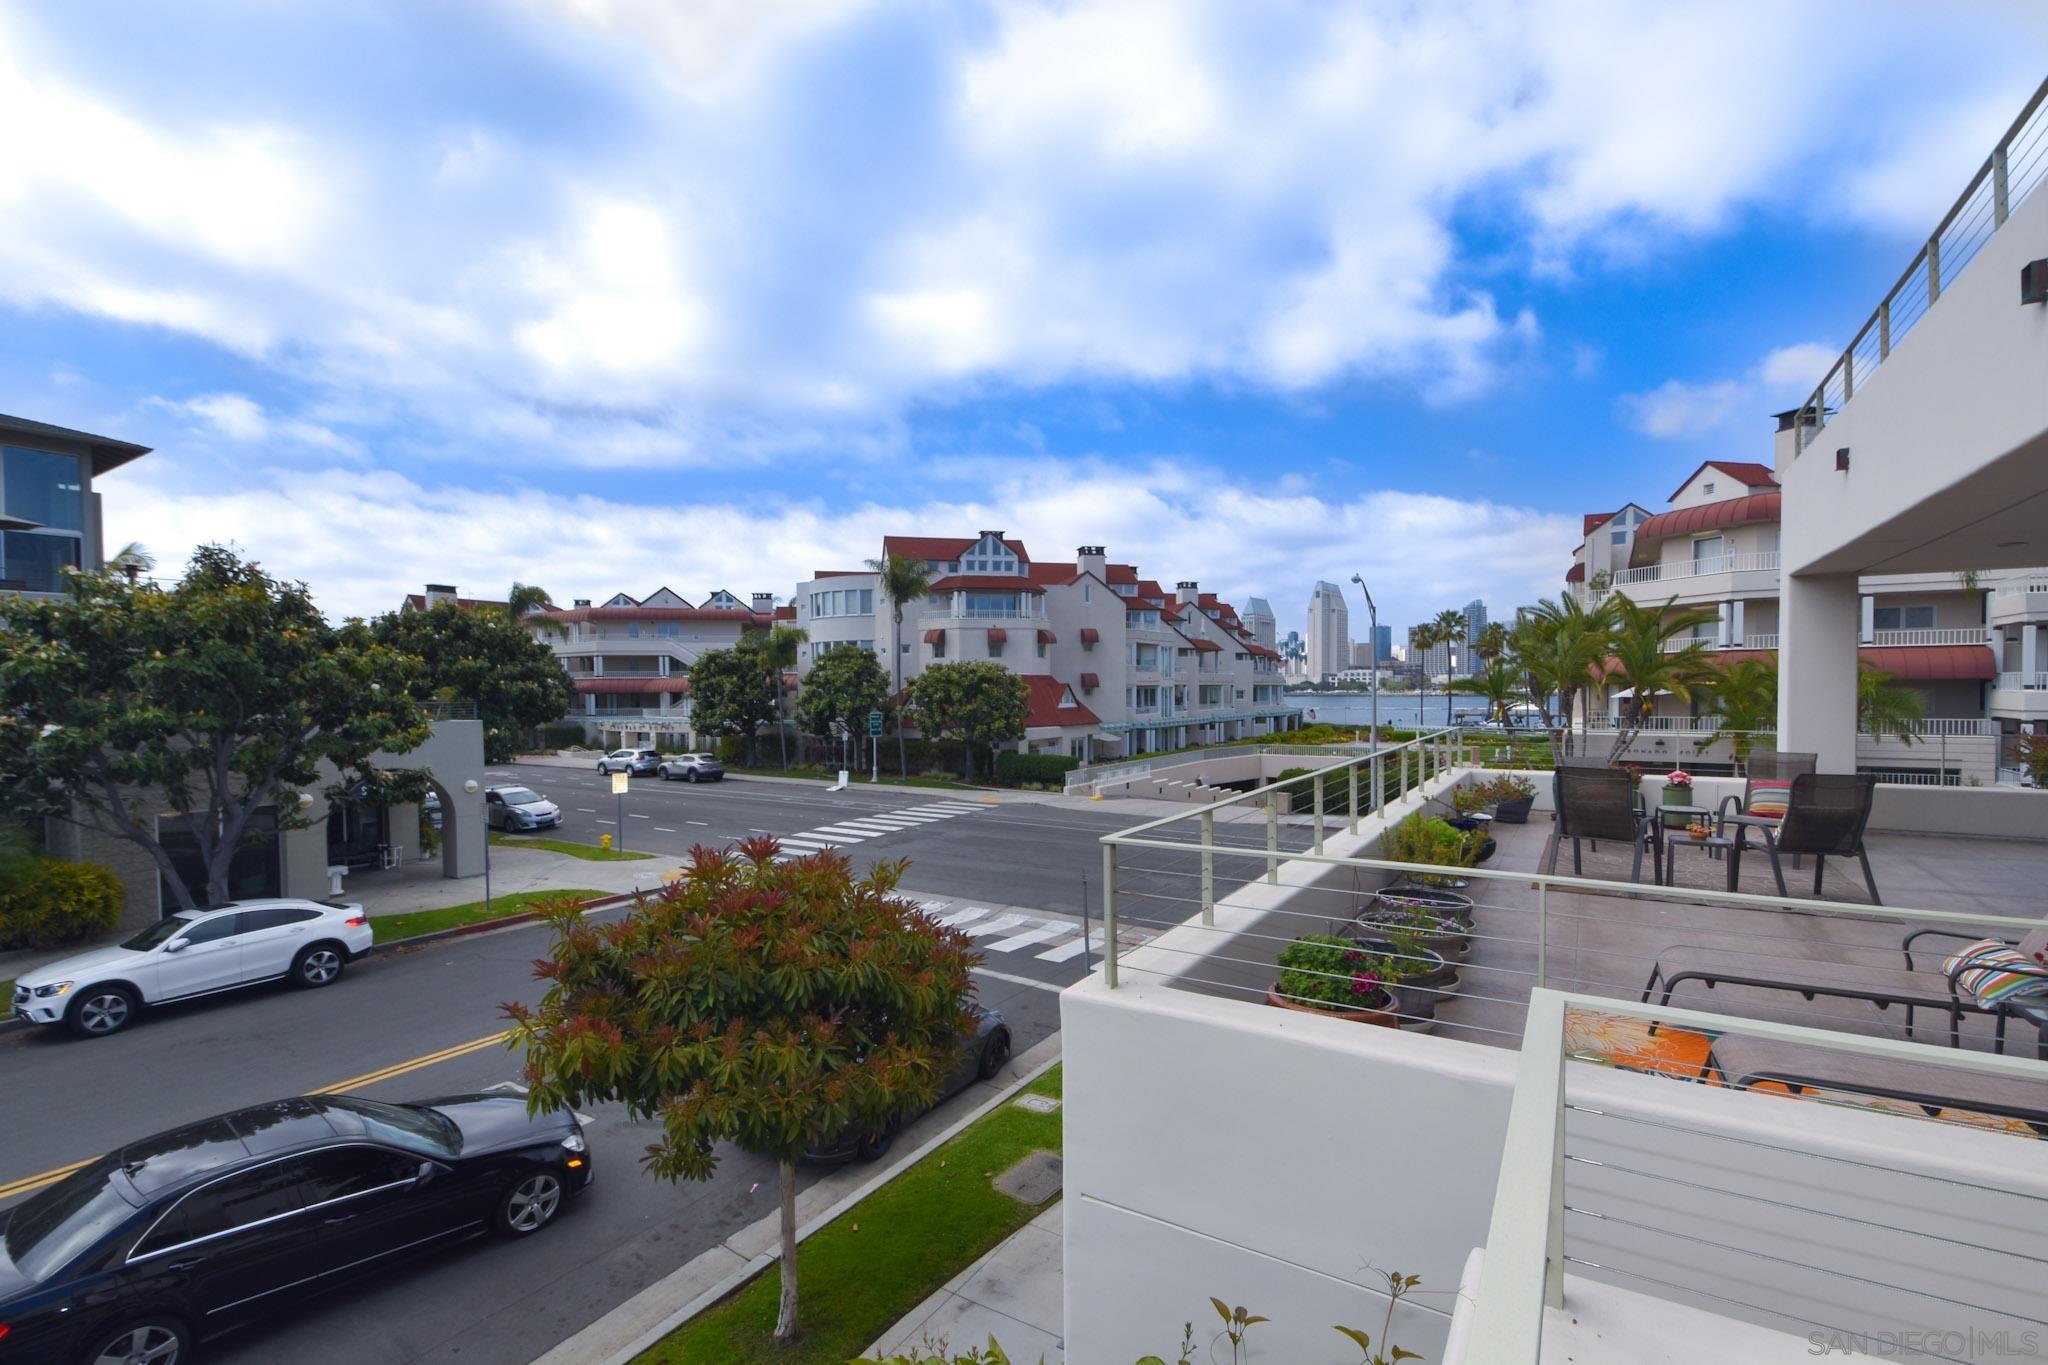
(1048, 770)
(52, 903)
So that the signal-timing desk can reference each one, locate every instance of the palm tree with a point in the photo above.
(528, 597)
(1559, 645)
(132, 559)
(1643, 662)
(900, 579)
(1449, 628)
(1500, 684)
(1744, 697)
(1885, 707)
(778, 652)
(1493, 641)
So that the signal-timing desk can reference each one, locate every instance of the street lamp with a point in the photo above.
(472, 787)
(1372, 616)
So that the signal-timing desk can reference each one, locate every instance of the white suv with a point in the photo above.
(194, 952)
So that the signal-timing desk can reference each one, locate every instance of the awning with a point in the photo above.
(998, 636)
(1208, 646)
(1090, 635)
(1931, 663)
(1046, 637)
(678, 684)
(1089, 682)
(935, 637)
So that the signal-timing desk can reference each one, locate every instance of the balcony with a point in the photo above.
(2020, 696)
(1967, 635)
(1720, 576)
(2020, 603)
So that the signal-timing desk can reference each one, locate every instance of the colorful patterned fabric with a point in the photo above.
(1769, 798)
(1992, 972)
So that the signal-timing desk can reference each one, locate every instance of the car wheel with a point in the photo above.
(875, 1146)
(146, 1341)
(690, 776)
(319, 964)
(995, 1053)
(101, 1010)
(530, 1205)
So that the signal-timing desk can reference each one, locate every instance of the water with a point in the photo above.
(1403, 710)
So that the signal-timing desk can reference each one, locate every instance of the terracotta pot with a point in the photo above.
(1384, 1018)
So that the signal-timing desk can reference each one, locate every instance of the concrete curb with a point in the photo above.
(723, 1269)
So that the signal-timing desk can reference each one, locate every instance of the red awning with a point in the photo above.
(997, 635)
(1090, 635)
(1575, 574)
(1046, 637)
(616, 686)
(1910, 663)
(1706, 516)
(935, 637)
(1207, 646)
(1089, 682)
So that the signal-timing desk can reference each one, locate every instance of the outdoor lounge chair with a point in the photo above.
(1599, 803)
(1774, 771)
(1826, 817)
(1743, 1061)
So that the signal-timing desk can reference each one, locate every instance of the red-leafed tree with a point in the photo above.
(771, 1005)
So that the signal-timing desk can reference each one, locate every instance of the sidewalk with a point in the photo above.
(420, 885)
(1014, 1294)
(855, 781)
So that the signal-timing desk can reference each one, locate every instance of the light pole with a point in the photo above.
(471, 786)
(1372, 616)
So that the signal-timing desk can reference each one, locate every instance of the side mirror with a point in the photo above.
(427, 1171)
(176, 945)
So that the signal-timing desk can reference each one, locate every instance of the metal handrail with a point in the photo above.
(1873, 343)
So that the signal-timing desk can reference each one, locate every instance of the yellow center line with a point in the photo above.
(28, 1183)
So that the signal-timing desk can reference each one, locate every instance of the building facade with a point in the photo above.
(1115, 664)
(1260, 621)
(1329, 632)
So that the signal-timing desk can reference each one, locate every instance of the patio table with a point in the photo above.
(1716, 846)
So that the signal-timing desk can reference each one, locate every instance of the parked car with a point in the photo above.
(984, 1051)
(193, 953)
(178, 1236)
(691, 768)
(519, 808)
(431, 804)
(638, 762)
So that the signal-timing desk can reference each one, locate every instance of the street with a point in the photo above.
(424, 1022)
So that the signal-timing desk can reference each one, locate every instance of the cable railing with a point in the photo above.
(2015, 168)
(1901, 1244)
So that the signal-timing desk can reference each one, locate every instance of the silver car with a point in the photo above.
(519, 808)
(691, 768)
(637, 762)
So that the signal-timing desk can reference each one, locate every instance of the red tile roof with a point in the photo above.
(1052, 575)
(1594, 521)
(1120, 573)
(838, 573)
(615, 686)
(1706, 516)
(1048, 702)
(1207, 646)
(942, 547)
(1745, 472)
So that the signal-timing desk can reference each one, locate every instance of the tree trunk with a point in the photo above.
(896, 678)
(967, 758)
(781, 731)
(785, 1318)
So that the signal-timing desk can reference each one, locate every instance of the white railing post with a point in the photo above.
(1273, 838)
(1404, 773)
(1542, 933)
(2000, 205)
(1108, 915)
(1319, 812)
(1353, 770)
(1933, 270)
(1884, 329)
(1379, 782)
(1208, 867)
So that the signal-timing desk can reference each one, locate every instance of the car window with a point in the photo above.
(235, 1202)
(413, 1127)
(156, 933)
(220, 926)
(344, 1172)
(276, 917)
(49, 1231)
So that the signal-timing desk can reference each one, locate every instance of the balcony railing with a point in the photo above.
(1698, 568)
(2015, 168)
(1967, 635)
(2032, 585)
(1708, 725)
(2023, 681)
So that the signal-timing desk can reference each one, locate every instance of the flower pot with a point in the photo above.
(1439, 901)
(1465, 822)
(1514, 812)
(1383, 1017)
(1447, 937)
(1434, 881)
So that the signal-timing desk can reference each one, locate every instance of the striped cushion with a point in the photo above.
(1769, 798)
(1992, 972)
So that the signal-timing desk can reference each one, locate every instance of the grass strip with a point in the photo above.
(888, 779)
(868, 1268)
(388, 927)
(590, 853)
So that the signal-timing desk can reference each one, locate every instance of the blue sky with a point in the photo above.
(608, 294)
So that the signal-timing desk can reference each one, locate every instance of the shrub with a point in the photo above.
(1421, 838)
(52, 903)
(1334, 974)
(559, 736)
(1507, 787)
(1045, 770)
(732, 749)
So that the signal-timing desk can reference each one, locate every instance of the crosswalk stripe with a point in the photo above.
(806, 845)
(868, 826)
(959, 917)
(844, 832)
(1000, 924)
(953, 809)
(1047, 929)
(922, 817)
(888, 821)
(1073, 949)
(829, 840)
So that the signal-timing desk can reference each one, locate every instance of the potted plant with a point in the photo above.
(1424, 838)
(1468, 805)
(1698, 830)
(1385, 918)
(1677, 792)
(1420, 977)
(1325, 974)
(1513, 795)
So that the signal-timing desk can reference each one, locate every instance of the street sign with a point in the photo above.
(621, 783)
(875, 723)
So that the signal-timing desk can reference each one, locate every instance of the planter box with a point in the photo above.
(1514, 812)
(1384, 1018)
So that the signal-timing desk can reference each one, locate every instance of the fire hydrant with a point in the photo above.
(604, 841)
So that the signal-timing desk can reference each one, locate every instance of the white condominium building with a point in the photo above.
(1115, 664)
(1329, 632)
(1260, 621)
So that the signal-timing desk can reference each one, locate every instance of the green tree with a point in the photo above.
(530, 597)
(1559, 645)
(1885, 706)
(978, 703)
(1500, 684)
(900, 580)
(1743, 696)
(220, 696)
(777, 649)
(1494, 642)
(486, 659)
(730, 691)
(1448, 629)
(1643, 661)
(775, 1006)
(844, 684)
(132, 560)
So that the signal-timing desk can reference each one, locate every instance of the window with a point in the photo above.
(35, 562)
(275, 917)
(48, 1231)
(1145, 698)
(401, 1125)
(669, 630)
(939, 647)
(1618, 537)
(1902, 618)
(632, 630)
(345, 1172)
(270, 1191)
(219, 927)
(1707, 487)
(843, 602)
(991, 603)
(1041, 649)
(1087, 591)
(43, 487)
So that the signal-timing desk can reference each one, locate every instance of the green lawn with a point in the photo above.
(389, 927)
(588, 852)
(858, 1276)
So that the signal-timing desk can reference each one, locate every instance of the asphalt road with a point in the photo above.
(420, 1023)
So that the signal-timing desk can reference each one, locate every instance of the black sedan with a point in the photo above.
(983, 1053)
(168, 1240)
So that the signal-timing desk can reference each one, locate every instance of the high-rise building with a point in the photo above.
(1329, 631)
(1383, 636)
(1475, 621)
(1434, 662)
(1260, 621)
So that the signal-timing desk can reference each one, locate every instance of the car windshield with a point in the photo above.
(402, 1125)
(157, 933)
(519, 796)
(51, 1230)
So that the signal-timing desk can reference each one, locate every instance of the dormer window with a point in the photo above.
(1707, 487)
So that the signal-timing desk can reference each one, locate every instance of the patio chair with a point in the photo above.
(1598, 803)
(1766, 790)
(1825, 817)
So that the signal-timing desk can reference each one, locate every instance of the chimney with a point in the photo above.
(440, 592)
(1186, 591)
(764, 603)
(1092, 559)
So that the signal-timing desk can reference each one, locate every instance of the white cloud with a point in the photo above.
(1681, 410)
(1675, 410)
(240, 418)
